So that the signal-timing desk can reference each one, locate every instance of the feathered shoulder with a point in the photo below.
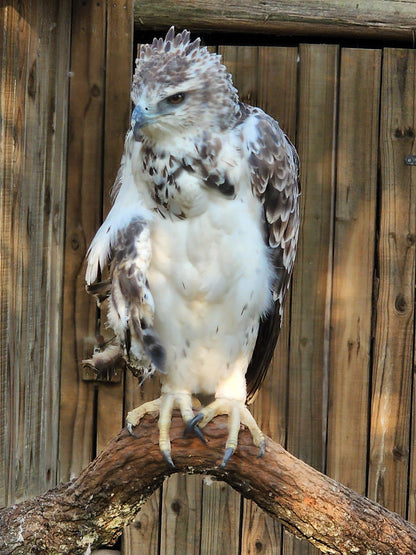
(274, 176)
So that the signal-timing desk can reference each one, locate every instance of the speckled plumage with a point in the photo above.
(208, 191)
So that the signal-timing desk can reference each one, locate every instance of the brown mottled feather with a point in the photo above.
(275, 180)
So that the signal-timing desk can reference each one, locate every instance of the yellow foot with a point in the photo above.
(165, 405)
(238, 414)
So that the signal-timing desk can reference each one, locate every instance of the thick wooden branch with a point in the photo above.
(378, 19)
(92, 509)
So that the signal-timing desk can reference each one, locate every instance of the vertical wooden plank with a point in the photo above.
(393, 351)
(311, 284)
(33, 92)
(220, 519)
(181, 520)
(143, 535)
(119, 69)
(83, 215)
(352, 289)
(277, 85)
(119, 64)
(12, 98)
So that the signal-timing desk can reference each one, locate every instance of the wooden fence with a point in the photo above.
(340, 393)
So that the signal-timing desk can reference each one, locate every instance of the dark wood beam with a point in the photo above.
(368, 19)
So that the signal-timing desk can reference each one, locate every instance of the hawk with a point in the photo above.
(201, 240)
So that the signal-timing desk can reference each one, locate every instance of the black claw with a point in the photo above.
(192, 426)
(199, 434)
(168, 459)
(227, 455)
(262, 449)
(130, 430)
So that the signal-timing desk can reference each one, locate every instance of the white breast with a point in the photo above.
(210, 279)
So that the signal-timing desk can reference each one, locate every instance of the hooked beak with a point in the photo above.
(139, 119)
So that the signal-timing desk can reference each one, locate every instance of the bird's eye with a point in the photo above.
(176, 98)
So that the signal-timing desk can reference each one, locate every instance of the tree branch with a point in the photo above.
(93, 509)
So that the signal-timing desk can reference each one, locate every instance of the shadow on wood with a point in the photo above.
(93, 509)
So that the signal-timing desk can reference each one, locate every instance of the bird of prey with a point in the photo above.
(201, 240)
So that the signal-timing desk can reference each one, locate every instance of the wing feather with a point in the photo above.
(130, 302)
(274, 168)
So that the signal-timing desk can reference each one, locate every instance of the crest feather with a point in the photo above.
(171, 64)
(179, 44)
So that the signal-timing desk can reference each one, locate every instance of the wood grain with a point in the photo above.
(83, 216)
(311, 280)
(277, 95)
(119, 63)
(352, 289)
(181, 515)
(34, 93)
(393, 351)
(144, 533)
(91, 510)
(381, 19)
(308, 363)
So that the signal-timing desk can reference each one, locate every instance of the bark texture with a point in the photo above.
(379, 19)
(92, 509)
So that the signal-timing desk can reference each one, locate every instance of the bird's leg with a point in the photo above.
(164, 405)
(238, 414)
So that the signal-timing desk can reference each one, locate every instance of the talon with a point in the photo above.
(199, 434)
(227, 455)
(192, 425)
(168, 459)
(262, 449)
(130, 427)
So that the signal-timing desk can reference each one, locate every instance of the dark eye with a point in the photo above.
(176, 98)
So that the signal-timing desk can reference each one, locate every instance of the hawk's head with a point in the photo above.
(180, 87)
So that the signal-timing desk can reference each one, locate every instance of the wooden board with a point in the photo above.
(33, 92)
(143, 536)
(119, 64)
(83, 217)
(393, 350)
(277, 95)
(310, 287)
(311, 281)
(352, 288)
(220, 525)
(381, 19)
(181, 515)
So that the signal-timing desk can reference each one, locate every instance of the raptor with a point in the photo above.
(201, 240)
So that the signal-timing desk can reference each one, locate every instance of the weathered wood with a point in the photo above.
(83, 216)
(277, 95)
(91, 510)
(381, 19)
(181, 515)
(315, 141)
(118, 60)
(33, 129)
(393, 351)
(311, 280)
(352, 287)
(144, 533)
(220, 525)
